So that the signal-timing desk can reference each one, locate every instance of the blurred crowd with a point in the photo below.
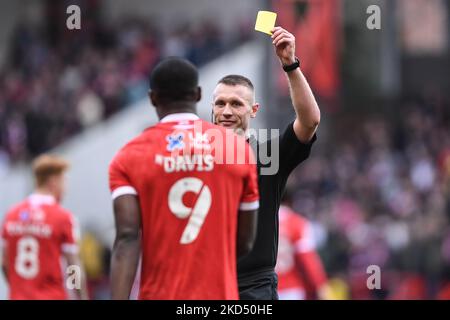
(52, 88)
(379, 194)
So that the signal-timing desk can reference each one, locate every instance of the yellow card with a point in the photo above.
(265, 21)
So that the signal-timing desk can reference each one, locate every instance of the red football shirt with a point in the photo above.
(189, 201)
(35, 234)
(298, 266)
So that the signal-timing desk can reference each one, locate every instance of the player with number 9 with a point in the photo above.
(176, 202)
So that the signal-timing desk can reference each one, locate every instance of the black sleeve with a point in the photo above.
(292, 150)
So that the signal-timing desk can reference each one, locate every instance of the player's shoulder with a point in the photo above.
(60, 218)
(63, 211)
(212, 130)
(210, 125)
(135, 146)
(59, 211)
(209, 128)
(15, 209)
(67, 217)
(139, 140)
(206, 126)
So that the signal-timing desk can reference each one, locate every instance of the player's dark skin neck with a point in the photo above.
(178, 107)
(164, 107)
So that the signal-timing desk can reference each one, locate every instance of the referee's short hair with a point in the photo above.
(175, 79)
(235, 79)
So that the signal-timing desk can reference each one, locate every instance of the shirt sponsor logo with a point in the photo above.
(175, 142)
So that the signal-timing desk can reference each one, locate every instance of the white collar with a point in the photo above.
(182, 116)
(37, 199)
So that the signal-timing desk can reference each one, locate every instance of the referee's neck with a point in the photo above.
(242, 133)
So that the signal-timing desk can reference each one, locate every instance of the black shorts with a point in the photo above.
(259, 287)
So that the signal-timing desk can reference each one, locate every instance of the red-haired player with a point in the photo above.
(36, 234)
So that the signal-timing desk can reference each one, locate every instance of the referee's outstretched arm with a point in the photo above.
(305, 105)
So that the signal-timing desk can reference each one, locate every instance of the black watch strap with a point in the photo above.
(293, 66)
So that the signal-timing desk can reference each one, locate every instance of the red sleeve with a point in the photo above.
(312, 270)
(119, 181)
(70, 234)
(250, 196)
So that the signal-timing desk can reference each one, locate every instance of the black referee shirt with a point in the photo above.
(262, 259)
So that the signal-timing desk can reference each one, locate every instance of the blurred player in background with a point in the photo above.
(36, 234)
(300, 271)
(190, 215)
(233, 107)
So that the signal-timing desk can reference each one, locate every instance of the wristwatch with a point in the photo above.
(293, 66)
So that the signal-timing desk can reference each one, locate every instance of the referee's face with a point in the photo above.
(233, 106)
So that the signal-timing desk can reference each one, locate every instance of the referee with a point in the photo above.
(233, 107)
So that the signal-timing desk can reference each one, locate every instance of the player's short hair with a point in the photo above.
(175, 79)
(46, 166)
(235, 79)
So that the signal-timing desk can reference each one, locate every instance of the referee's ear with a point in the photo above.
(255, 108)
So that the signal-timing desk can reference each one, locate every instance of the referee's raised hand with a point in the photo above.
(284, 43)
